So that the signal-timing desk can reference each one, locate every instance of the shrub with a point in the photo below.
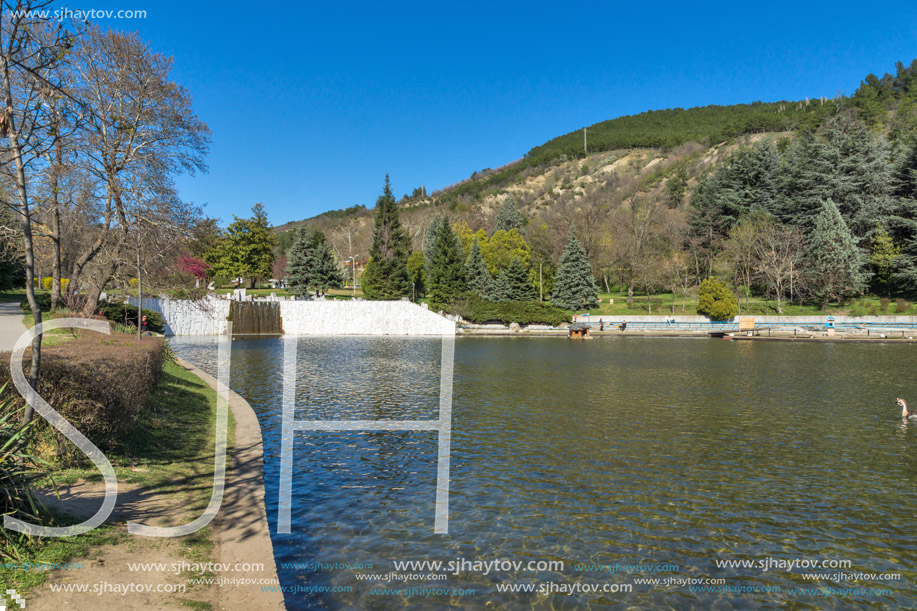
(716, 301)
(873, 311)
(19, 469)
(125, 313)
(901, 305)
(44, 303)
(98, 383)
(883, 304)
(479, 311)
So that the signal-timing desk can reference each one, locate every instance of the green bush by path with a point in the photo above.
(43, 299)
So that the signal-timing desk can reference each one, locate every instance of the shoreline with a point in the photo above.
(241, 525)
(808, 337)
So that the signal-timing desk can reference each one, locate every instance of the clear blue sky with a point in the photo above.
(312, 103)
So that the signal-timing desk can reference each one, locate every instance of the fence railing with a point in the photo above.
(729, 326)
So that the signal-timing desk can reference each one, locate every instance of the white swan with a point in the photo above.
(906, 415)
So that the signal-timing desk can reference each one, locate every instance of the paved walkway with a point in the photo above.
(11, 326)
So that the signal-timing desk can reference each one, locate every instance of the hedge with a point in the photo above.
(127, 314)
(99, 383)
(43, 299)
(480, 311)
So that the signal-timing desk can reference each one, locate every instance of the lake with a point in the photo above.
(621, 460)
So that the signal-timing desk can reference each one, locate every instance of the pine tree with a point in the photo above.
(478, 278)
(299, 266)
(509, 217)
(386, 274)
(445, 269)
(847, 164)
(513, 283)
(902, 222)
(325, 271)
(247, 250)
(574, 284)
(834, 263)
(429, 239)
(499, 290)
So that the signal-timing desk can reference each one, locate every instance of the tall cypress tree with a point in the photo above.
(574, 284)
(513, 283)
(299, 265)
(509, 217)
(477, 277)
(386, 274)
(834, 263)
(445, 269)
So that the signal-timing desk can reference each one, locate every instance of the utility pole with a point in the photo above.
(353, 267)
(585, 147)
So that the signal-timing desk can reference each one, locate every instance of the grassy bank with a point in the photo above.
(168, 453)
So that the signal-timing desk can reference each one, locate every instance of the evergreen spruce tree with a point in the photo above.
(299, 265)
(499, 289)
(445, 276)
(509, 217)
(325, 271)
(429, 239)
(477, 277)
(834, 263)
(386, 274)
(574, 284)
(902, 222)
(514, 283)
(847, 164)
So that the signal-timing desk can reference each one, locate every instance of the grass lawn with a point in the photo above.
(170, 448)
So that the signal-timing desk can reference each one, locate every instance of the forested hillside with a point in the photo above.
(810, 201)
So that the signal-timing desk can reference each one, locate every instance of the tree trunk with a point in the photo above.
(92, 297)
(630, 293)
(25, 221)
(96, 246)
(55, 259)
(56, 163)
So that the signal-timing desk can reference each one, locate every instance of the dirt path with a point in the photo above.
(11, 326)
(240, 537)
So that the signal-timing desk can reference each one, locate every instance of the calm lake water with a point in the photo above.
(627, 451)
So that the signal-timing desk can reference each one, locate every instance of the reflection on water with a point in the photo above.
(623, 450)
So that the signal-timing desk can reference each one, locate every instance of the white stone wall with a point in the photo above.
(185, 317)
(319, 317)
(334, 317)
